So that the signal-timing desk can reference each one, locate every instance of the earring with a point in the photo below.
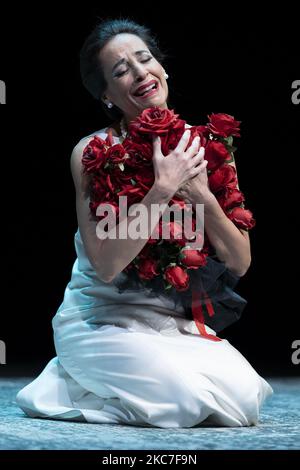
(166, 76)
(109, 105)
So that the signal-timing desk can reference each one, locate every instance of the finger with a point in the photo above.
(200, 154)
(201, 151)
(183, 142)
(199, 168)
(194, 148)
(156, 142)
(197, 159)
(203, 165)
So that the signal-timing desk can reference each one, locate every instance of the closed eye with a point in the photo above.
(123, 72)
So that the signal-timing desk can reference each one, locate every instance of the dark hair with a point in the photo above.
(90, 67)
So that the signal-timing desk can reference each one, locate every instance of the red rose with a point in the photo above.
(216, 154)
(120, 178)
(194, 130)
(94, 155)
(138, 153)
(243, 218)
(170, 140)
(230, 197)
(192, 259)
(129, 190)
(145, 178)
(115, 154)
(98, 189)
(148, 268)
(223, 125)
(204, 131)
(177, 277)
(153, 121)
(224, 176)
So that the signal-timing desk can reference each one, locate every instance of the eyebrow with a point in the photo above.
(121, 61)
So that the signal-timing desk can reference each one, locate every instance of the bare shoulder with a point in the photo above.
(79, 148)
(80, 180)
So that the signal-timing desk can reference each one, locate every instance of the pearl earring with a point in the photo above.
(166, 76)
(109, 105)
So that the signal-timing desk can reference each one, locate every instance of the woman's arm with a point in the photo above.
(108, 256)
(232, 245)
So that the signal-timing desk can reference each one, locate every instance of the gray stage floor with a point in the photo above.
(279, 427)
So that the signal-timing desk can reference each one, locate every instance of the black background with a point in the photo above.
(242, 65)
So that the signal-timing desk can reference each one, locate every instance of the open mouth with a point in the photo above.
(150, 90)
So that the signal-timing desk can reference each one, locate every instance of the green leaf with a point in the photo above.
(229, 140)
(121, 166)
(230, 148)
(106, 165)
(133, 182)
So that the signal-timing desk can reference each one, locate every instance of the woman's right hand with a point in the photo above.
(181, 164)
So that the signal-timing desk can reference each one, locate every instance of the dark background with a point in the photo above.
(218, 62)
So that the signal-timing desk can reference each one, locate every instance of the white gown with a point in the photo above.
(131, 358)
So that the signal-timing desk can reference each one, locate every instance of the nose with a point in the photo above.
(140, 72)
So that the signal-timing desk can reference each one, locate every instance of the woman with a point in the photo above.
(128, 357)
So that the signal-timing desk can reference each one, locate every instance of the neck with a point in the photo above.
(123, 127)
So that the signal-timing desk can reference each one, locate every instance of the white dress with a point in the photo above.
(131, 358)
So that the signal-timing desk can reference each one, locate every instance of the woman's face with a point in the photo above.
(128, 65)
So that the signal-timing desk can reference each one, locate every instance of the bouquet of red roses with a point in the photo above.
(126, 169)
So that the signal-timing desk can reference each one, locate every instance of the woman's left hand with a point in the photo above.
(196, 189)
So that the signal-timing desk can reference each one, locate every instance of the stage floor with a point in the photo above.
(279, 427)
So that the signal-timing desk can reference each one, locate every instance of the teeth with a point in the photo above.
(147, 89)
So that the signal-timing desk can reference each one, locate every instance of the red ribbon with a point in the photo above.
(197, 310)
